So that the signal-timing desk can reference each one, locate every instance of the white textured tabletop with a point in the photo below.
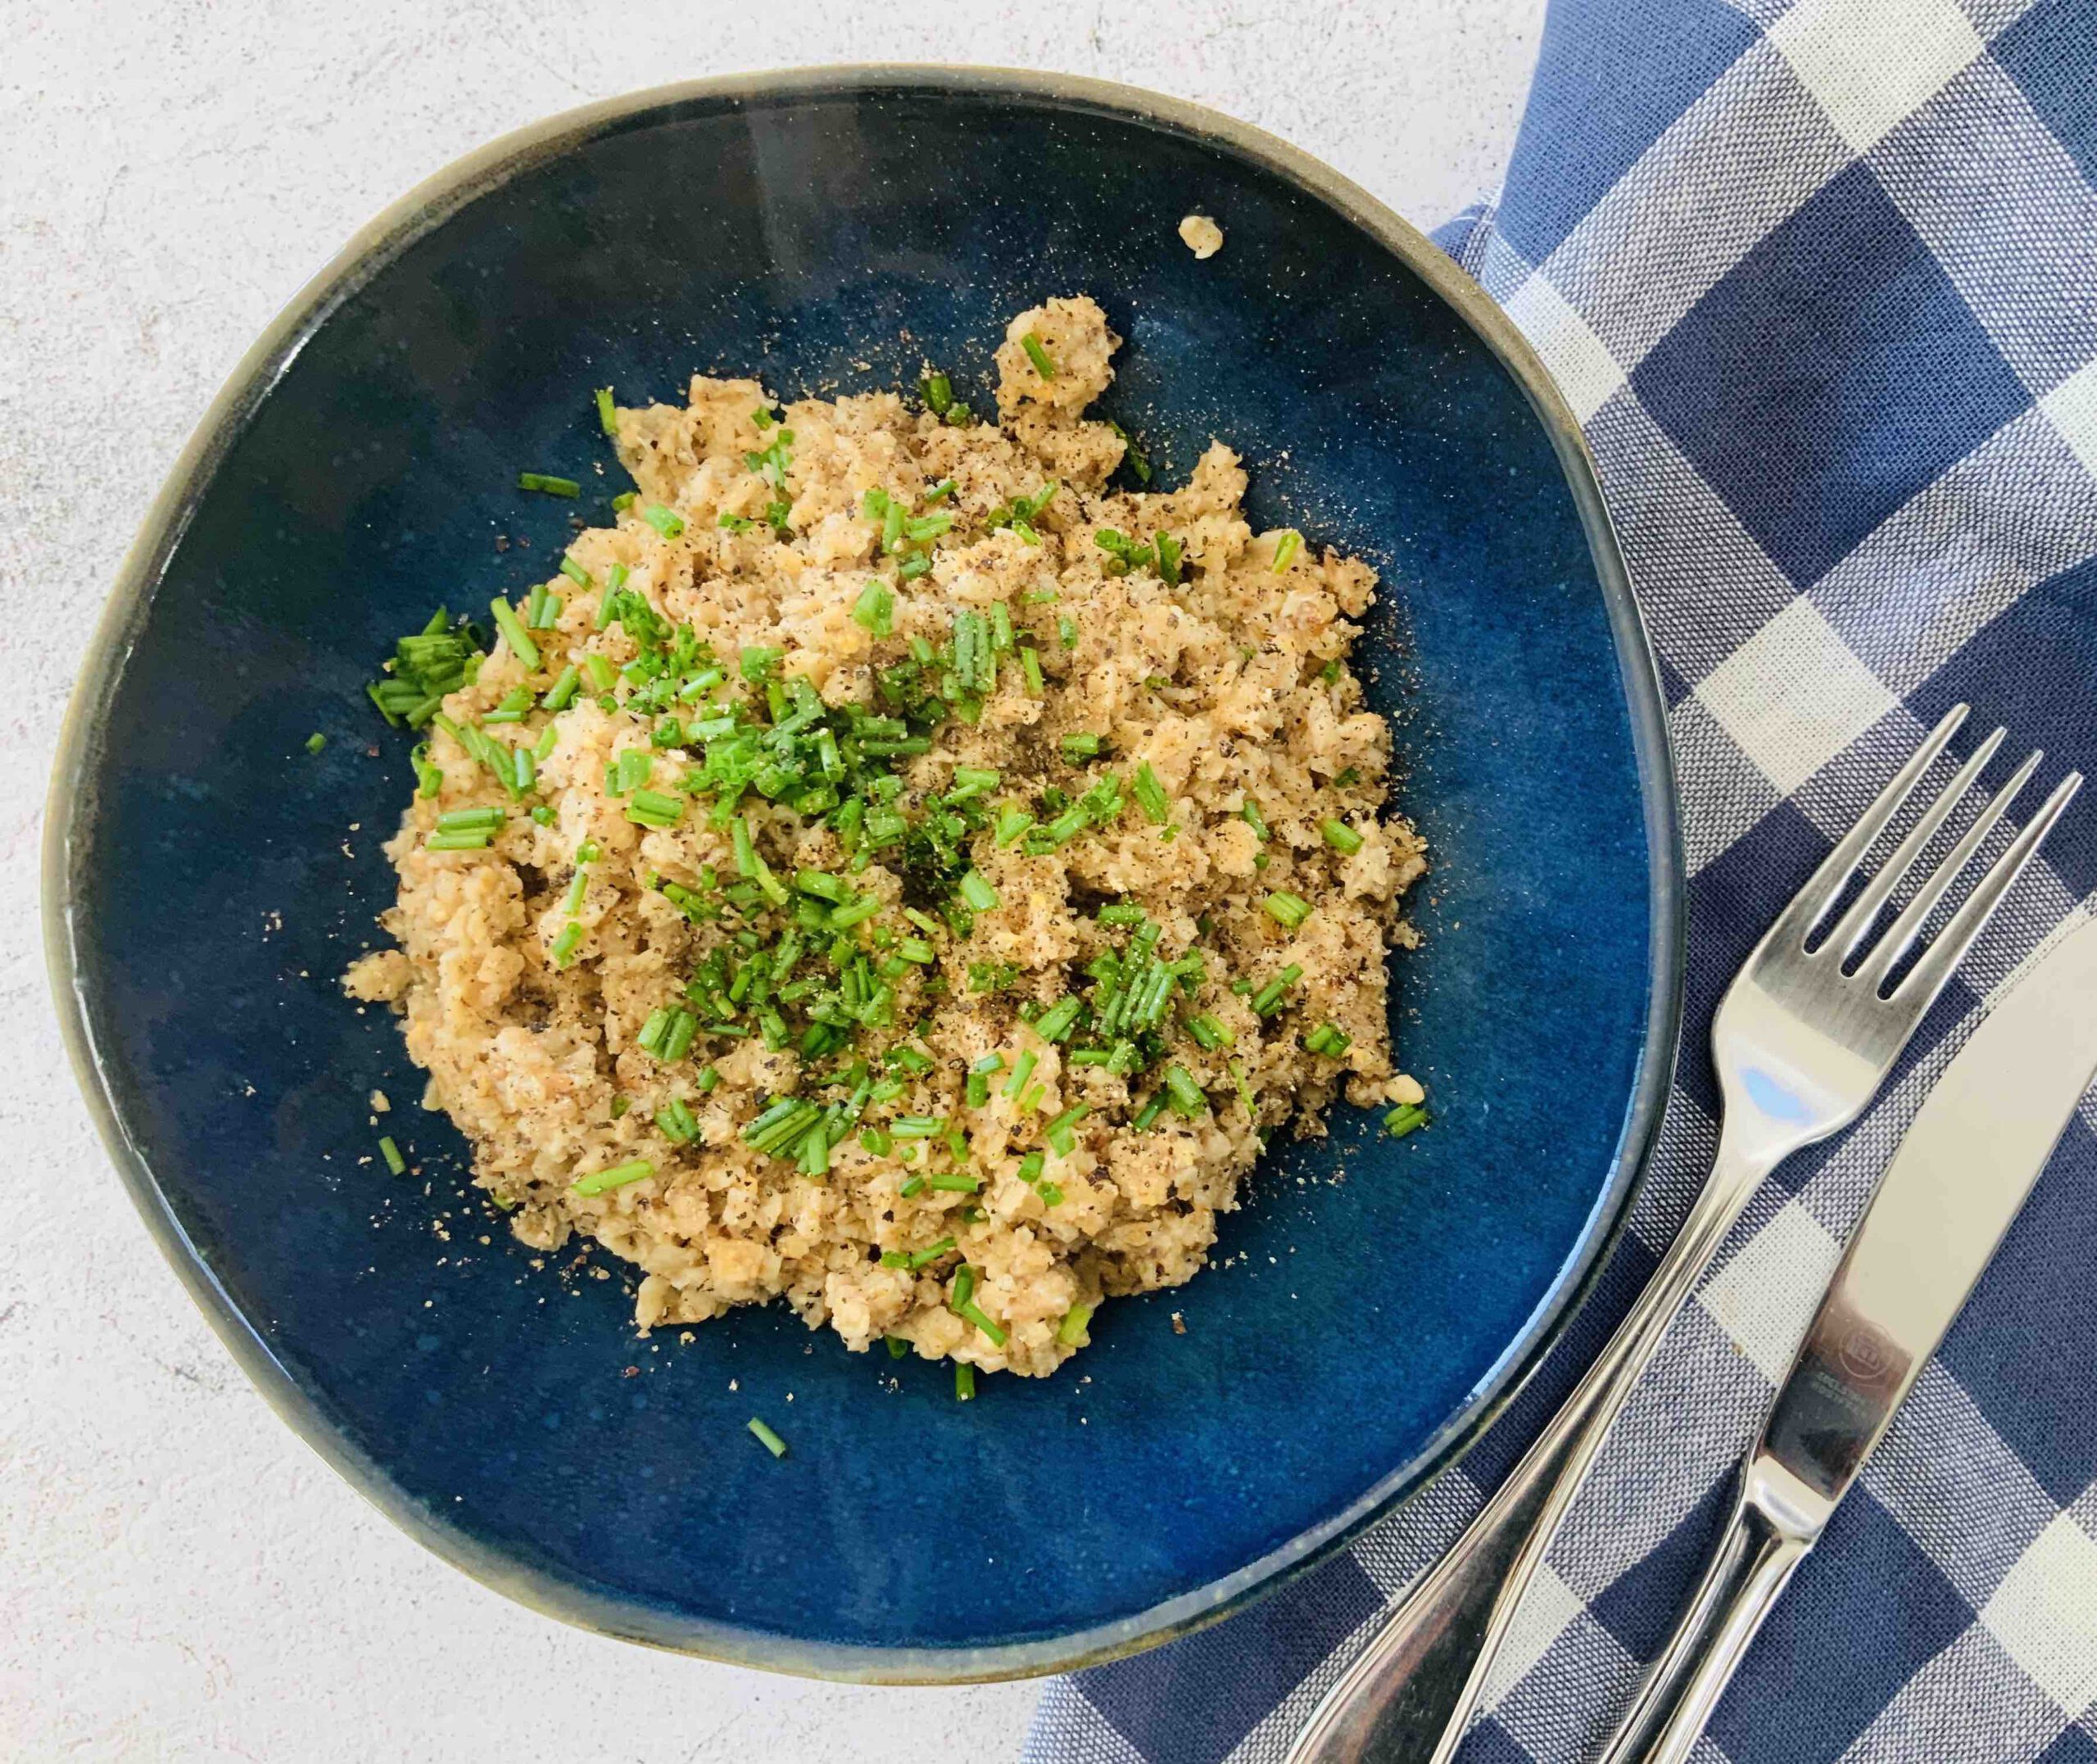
(179, 1577)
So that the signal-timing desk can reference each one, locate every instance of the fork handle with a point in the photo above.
(1409, 1696)
(1759, 1550)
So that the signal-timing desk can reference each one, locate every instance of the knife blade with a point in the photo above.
(1964, 1169)
(1961, 1176)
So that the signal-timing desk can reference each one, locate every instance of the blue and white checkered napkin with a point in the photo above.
(1820, 278)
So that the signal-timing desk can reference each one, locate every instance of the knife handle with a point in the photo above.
(1764, 1542)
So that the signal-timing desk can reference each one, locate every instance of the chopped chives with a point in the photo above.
(875, 609)
(1030, 667)
(315, 742)
(1150, 795)
(1056, 1022)
(1209, 1033)
(767, 1438)
(392, 1153)
(548, 485)
(466, 820)
(1066, 628)
(477, 840)
(1187, 1098)
(1169, 553)
(1327, 1039)
(618, 1176)
(922, 1258)
(1269, 997)
(608, 418)
(1341, 837)
(964, 1382)
(1285, 549)
(563, 689)
(1149, 1112)
(1022, 1070)
(969, 1311)
(897, 1346)
(1070, 1332)
(665, 521)
(911, 1189)
(513, 633)
(677, 1038)
(1249, 811)
(1013, 822)
(603, 676)
(1084, 745)
(675, 1122)
(977, 893)
(953, 1182)
(1404, 1119)
(708, 1077)
(625, 499)
(1061, 1132)
(916, 1127)
(939, 395)
(1038, 356)
(575, 572)
(1288, 911)
(565, 945)
(429, 775)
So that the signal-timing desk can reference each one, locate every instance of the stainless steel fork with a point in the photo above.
(1802, 1044)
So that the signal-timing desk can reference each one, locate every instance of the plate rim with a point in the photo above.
(69, 807)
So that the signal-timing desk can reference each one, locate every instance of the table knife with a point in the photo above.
(1983, 1135)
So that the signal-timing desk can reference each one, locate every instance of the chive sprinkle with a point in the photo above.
(1288, 911)
(980, 895)
(608, 417)
(665, 521)
(1070, 1332)
(1061, 1133)
(1341, 837)
(767, 1438)
(548, 485)
(1285, 549)
(1038, 356)
(1268, 999)
(513, 633)
(392, 1153)
(964, 1382)
(618, 1176)
(575, 572)
(971, 1311)
(315, 742)
(1404, 1119)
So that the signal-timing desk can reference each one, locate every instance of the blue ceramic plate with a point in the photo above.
(209, 880)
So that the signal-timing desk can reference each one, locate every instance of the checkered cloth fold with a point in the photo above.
(1820, 278)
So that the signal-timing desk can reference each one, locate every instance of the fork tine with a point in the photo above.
(1863, 912)
(1900, 937)
(1809, 905)
(1926, 981)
